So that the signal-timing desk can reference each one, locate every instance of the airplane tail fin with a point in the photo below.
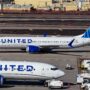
(86, 34)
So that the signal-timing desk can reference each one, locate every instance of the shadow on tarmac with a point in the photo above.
(68, 85)
(13, 52)
(10, 84)
(7, 86)
(61, 52)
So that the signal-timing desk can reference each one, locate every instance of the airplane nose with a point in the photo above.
(61, 73)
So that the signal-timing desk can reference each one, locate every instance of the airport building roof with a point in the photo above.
(64, 5)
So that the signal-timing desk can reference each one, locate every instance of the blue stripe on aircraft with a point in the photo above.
(70, 44)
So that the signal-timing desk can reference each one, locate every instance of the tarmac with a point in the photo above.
(45, 16)
(58, 57)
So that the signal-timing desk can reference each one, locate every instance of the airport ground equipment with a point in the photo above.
(86, 85)
(83, 77)
(55, 84)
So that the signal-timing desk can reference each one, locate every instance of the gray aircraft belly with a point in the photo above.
(24, 76)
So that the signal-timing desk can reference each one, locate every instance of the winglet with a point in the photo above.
(87, 33)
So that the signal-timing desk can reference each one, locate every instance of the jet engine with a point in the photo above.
(32, 49)
(1, 80)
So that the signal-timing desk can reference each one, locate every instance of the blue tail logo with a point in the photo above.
(86, 34)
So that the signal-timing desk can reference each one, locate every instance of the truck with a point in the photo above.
(86, 64)
(86, 84)
(55, 84)
(84, 80)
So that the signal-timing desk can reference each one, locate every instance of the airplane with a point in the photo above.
(26, 70)
(37, 44)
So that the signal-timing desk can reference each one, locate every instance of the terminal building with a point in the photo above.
(64, 5)
(57, 4)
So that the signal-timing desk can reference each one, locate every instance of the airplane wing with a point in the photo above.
(35, 48)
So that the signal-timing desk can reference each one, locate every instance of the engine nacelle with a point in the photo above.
(32, 49)
(1, 80)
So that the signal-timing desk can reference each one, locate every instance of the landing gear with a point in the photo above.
(46, 50)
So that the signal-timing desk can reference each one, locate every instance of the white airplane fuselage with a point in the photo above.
(53, 42)
(29, 70)
(36, 44)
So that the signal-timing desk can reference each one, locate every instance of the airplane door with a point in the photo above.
(80, 42)
(84, 41)
(44, 71)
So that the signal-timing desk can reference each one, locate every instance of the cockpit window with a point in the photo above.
(54, 68)
(88, 62)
